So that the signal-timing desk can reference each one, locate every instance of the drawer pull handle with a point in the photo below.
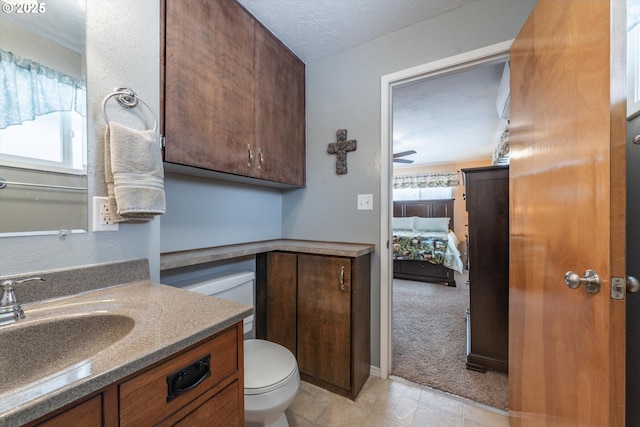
(188, 377)
(342, 288)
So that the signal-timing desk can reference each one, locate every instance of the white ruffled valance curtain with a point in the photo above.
(439, 179)
(30, 89)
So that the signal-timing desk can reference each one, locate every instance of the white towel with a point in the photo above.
(133, 173)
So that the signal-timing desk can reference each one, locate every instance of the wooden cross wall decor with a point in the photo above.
(340, 148)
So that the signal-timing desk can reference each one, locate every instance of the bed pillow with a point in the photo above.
(402, 224)
(431, 224)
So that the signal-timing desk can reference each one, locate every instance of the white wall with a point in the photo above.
(31, 46)
(343, 91)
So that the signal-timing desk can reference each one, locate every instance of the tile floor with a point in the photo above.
(392, 402)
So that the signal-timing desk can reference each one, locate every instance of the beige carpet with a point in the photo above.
(429, 342)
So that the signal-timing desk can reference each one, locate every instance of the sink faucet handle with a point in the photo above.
(10, 283)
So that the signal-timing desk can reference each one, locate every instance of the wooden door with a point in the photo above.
(324, 319)
(567, 208)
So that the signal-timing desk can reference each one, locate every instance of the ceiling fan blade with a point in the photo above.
(404, 153)
(402, 161)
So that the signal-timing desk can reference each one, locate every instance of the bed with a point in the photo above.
(424, 247)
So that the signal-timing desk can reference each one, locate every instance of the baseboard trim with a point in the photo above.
(374, 371)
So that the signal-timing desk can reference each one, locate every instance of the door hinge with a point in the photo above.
(163, 141)
(618, 288)
(387, 244)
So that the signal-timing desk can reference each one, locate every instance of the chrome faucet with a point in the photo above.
(10, 309)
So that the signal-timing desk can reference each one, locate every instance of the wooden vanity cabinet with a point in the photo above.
(318, 306)
(85, 414)
(144, 398)
(487, 201)
(233, 96)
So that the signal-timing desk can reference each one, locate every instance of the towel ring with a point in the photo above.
(127, 98)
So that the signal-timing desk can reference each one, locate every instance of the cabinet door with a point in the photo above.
(280, 111)
(324, 318)
(281, 310)
(86, 414)
(209, 85)
(221, 410)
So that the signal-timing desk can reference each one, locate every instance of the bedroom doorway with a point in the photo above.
(411, 292)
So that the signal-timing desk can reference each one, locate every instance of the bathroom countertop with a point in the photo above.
(167, 320)
(185, 258)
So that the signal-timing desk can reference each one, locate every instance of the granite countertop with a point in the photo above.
(185, 258)
(166, 320)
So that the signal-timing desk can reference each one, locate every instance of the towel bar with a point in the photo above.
(4, 183)
(127, 98)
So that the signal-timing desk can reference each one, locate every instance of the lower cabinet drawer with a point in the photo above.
(86, 414)
(162, 390)
(220, 410)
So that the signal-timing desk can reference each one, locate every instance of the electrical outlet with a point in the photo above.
(102, 219)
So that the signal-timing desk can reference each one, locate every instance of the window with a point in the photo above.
(427, 193)
(51, 141)
(42, 117)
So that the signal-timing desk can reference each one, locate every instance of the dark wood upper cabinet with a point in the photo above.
(233, 96)
(279, 110)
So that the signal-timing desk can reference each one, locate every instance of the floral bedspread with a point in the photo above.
(420, 248)
(434, 247)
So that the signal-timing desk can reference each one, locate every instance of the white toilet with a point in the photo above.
(271, 377)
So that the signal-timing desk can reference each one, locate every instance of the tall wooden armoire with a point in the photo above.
(487, 201)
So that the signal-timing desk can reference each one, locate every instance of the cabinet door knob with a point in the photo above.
(342, 288)
(260, 158)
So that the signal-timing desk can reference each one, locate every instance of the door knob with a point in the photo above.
(590, 280)
(633, 285)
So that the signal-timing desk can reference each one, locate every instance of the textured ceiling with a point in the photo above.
(449, 118)
(317, 28)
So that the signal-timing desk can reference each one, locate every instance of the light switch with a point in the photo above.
(365, 202)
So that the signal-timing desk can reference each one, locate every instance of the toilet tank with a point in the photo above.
(232, 286)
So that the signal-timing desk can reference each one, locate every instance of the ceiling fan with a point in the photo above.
(397, 159)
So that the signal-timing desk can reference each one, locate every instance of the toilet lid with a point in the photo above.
(267, 366)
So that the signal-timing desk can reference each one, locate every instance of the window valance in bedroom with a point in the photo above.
(439, 179)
